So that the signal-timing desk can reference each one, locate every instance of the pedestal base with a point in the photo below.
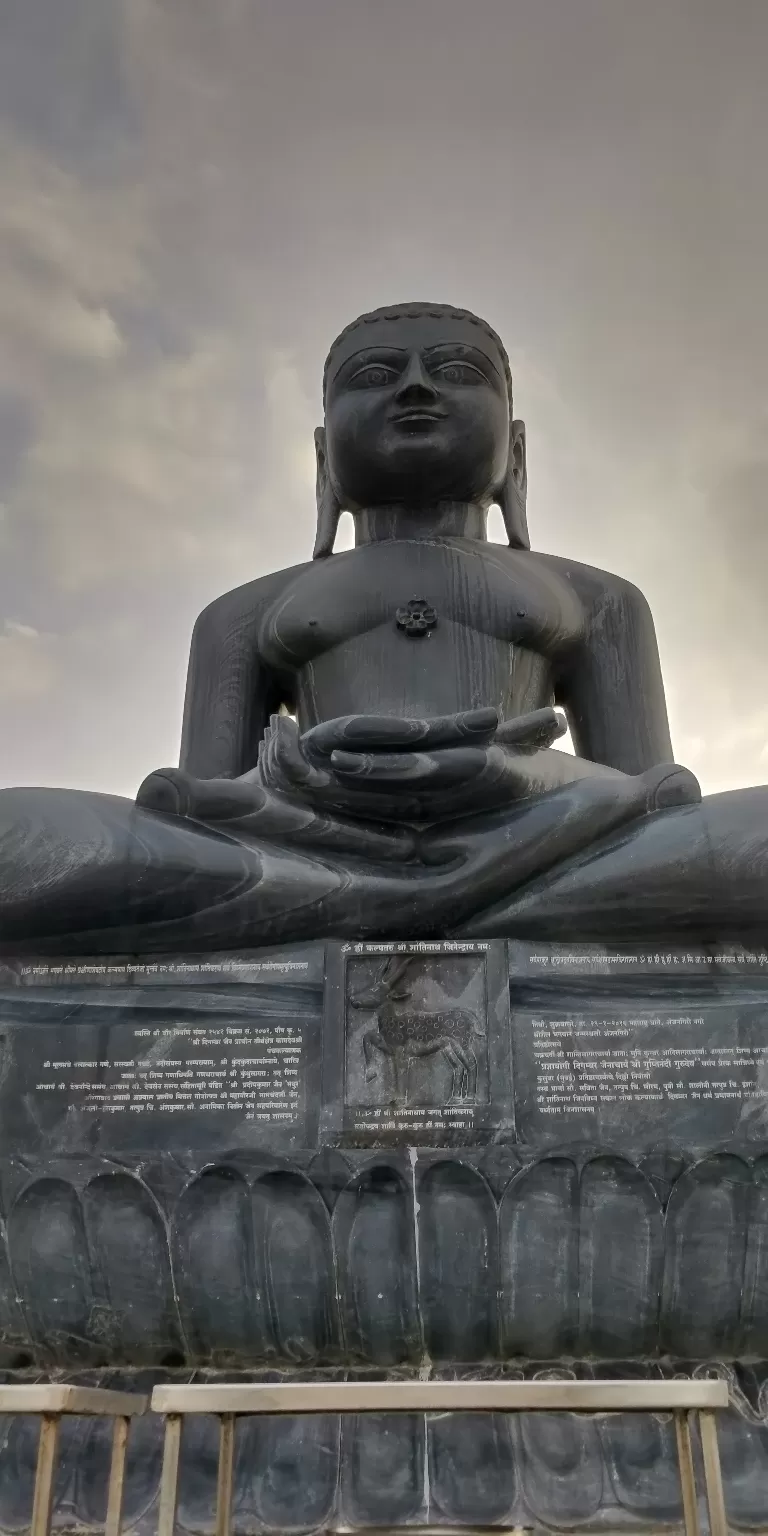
(540, 1159)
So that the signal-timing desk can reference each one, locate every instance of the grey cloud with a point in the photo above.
(16, 431)
(63, 78)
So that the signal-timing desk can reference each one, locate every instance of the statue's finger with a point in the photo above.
(457, 765)
(290, 762)
(475, 726)
(266, 758)
(537, 729)
(385, 733)
(376, 767)
(363, 733)
(287, 753)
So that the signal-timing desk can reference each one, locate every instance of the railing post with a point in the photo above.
(713, 1481)
(169, 1482)
(687, 1474)
(117, 1477)
(226, 1473)
(45, 1474)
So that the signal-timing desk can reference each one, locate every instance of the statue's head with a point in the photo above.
(418, 412)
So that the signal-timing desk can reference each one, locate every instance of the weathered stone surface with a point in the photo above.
(368, 740)
(491, 1154)
(311, 1244)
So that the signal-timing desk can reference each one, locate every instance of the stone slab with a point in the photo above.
(475, 1043)
(638, 1049)
(112, 1055)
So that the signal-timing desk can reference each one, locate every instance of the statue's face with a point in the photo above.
(416, 411)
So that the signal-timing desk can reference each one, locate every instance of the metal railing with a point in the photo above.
(684, 1399)
(50, 1403)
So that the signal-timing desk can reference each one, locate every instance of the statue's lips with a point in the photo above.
(417, 418)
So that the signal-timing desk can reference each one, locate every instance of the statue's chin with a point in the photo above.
(409, 469)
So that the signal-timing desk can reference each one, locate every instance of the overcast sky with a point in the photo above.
(196, 195)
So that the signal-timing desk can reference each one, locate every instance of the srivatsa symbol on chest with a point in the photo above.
(417, 619)
(401, 1033)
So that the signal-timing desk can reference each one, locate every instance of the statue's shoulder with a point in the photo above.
(594, 586)
(244, 606)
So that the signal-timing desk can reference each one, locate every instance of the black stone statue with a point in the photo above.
(368, 737)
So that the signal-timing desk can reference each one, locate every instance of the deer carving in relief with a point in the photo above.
(403, 1034)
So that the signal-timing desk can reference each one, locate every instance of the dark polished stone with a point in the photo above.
(308, 1244)
(337, 784)
(245, 1127)
(417, 618)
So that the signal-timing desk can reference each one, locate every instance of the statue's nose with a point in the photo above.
(415, 382)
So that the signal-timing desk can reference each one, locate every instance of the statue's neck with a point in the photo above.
(445, 519)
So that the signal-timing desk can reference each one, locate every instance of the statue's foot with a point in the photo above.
(668, 784)
(175, 793)
(166, 790)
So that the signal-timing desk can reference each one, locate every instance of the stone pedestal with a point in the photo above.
(460, 1158)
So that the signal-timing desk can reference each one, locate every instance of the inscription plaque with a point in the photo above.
(640, 1050)
(424, 1042)
(695, 1078)
(121, 1054)
(255, 1070)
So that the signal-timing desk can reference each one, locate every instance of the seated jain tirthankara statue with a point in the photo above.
(368, 737)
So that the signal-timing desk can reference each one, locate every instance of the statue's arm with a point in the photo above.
(611, 686)
(230, 691)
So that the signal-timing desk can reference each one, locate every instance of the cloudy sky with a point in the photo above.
(195, 196)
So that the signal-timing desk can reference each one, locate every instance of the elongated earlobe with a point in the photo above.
(513, 493)
(328, 514)
(328, 507)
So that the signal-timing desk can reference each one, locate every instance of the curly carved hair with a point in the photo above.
(417, 312)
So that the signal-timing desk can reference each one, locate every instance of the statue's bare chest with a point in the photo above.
(412, 589)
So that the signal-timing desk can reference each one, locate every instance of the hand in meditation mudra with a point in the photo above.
(368, 737)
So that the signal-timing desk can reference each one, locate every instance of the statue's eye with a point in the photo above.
(375, 376)
(460, 373)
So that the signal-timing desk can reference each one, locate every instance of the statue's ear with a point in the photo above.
(514, 492)
(328, 508)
